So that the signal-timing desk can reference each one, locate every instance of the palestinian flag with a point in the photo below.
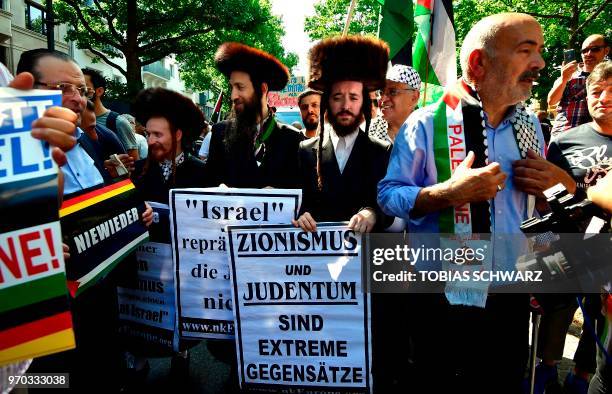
(434, 54)
(101, 228)
(35, 319)
(397, 28)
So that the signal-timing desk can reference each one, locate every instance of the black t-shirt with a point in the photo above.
(584, 153)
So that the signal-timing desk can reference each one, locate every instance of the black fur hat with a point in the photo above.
(260, 65)
(180, 111)
(350, 58)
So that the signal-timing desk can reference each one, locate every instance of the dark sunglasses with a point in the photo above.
(594, 49)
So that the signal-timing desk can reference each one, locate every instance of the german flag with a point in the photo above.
(101, 228)
(34, 314)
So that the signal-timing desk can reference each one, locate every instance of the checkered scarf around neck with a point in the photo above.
(459, 127)
(166, 165)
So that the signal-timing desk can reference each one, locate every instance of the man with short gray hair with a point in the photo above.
(469, 164)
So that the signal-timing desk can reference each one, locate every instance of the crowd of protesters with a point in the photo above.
(366, 156)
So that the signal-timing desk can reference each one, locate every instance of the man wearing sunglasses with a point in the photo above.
(569, 90)
(398, 99)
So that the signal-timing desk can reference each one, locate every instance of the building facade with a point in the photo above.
(22, 27)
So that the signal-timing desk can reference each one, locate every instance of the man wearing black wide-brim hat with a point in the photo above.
(252, 148)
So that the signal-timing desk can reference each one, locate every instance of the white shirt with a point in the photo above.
(342, 146)
(79, 171)
(205, 145)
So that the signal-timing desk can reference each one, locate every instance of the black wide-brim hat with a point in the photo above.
(260, 65)
(350, 58)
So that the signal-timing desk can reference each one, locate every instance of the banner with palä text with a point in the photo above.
(302, 316)
(35, 319)
(198, 218)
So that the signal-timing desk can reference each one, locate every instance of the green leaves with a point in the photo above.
(330, 17)
(144, 31)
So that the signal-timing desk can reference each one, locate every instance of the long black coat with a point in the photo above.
(153, 186)
(238, 167)
(343, 194)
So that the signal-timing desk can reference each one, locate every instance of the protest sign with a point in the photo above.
(35, 318)
(198, 218)
(146, 303)
(101, 228)
(288, 97)
(302, 318)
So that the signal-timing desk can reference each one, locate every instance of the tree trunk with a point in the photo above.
(134, 74)
(574, 25)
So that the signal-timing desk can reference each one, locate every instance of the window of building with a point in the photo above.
(35, 18)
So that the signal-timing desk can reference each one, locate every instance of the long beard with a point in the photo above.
(342, 130)
(242, 125)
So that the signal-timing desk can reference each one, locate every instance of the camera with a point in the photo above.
(573, 242)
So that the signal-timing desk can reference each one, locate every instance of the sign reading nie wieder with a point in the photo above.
(198, 220)
(302, 317)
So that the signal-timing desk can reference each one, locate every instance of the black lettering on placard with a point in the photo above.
(203, 245)
(300, 322)
(218, 303)
(217, 212)
(298, 269)
(291, 241)
(302, 348)
(143, 265)
(202, 271)
(273, 291)
(321, 374)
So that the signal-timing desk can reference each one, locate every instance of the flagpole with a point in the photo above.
(351, 10)
(429, 39)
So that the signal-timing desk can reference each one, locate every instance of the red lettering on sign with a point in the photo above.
(11, 262)
(455, 163)
(455, 141)
(29, 253)
(457, 128)
(462, 214)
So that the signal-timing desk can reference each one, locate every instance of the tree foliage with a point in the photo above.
(199, 71)
(145, 31)
(330, 17)
(565, 24)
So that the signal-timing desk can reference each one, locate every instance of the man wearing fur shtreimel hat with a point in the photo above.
(252, 148)
(341, 167)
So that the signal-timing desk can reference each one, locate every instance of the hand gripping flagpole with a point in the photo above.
(351, 10)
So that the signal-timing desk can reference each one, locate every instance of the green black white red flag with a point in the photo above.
(397, 28)
(434, 54)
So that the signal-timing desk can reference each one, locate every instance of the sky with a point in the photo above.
(293, 13)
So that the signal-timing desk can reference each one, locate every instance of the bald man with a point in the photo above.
(569, 90)
(467, 339)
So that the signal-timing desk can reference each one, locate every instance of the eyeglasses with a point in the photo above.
(392, 92)
(67, 88)
(594, 49)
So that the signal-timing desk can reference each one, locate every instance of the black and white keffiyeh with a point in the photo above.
(166, 165)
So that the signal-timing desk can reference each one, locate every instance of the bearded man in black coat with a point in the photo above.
(252, 148)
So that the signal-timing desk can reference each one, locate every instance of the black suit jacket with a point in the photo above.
(343, 194)
(153, 186)
(238, 167)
